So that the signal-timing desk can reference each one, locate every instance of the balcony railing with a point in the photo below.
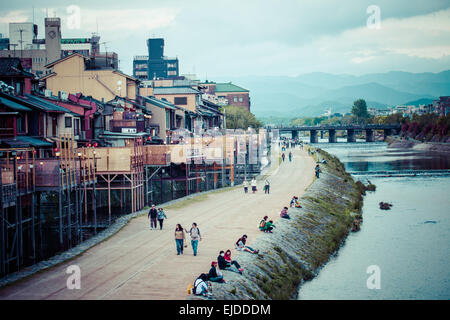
(6, 132)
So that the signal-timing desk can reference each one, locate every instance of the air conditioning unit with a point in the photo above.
(48, 92)
(64, 96)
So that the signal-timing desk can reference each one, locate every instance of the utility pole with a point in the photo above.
(21, 42)
(14, 45)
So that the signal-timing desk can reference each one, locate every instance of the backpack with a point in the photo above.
(196, 283)
(262, 224)
(190, 288)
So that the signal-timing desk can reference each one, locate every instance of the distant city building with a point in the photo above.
(4, 42)
(35, 53)
(228, 92)
(442, 106)
(155, 65)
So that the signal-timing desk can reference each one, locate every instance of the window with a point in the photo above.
(21, 124)
(76, 129)
(180, 100)
(241, 99)
(171, 73)
(68, 122)
(235, 99)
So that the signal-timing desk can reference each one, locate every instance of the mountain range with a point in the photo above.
(312, 94)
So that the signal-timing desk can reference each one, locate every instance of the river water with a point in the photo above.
(409, 244)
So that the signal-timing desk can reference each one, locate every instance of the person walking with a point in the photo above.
(152, 215)
(161, 217)
(245, 186)
(283, 156)
(267, 187)
(317, 170)
(290, 156)
(194, 232)
(254, 185)
(179, 238)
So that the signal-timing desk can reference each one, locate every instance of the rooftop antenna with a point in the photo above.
(21, 42)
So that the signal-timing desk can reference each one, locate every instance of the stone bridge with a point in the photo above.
(388, 129)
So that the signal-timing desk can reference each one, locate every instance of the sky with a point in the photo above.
(219, 39)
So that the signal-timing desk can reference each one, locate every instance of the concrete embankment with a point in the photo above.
(395, 142)
(298, 247)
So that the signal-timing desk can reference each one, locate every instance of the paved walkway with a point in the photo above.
(138, 263)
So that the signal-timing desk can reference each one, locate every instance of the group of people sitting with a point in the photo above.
(224, 262)
(295, 203)
(266, 226)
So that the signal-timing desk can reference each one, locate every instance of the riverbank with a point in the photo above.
(396, 142)
(141, 264)
(298, 247)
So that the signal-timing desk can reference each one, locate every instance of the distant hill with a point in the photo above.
(418, 102)
(314, 93)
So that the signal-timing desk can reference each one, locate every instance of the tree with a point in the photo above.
(359, 110)
(240, 118)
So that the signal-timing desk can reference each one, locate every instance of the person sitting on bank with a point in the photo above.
(214, 274)
(292, 203)
(262, 223)
(240, 245)
(296, 202)
(269, 226)
(200, 285)
(284, 213)
(225, 262)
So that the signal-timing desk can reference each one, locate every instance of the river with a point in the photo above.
(409, 244)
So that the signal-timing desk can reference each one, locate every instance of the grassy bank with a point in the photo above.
(299, 247)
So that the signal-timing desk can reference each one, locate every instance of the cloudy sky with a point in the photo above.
(250, 37)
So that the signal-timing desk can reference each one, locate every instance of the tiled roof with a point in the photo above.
(159, 103)
(229, 87)
(12, 67)
(13, 105)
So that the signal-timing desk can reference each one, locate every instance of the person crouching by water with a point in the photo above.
(214, 274)
(194, 232)
(240, 245)
(179, 238)
(269, 226)
(225, 262)
(161, 217)
(153, 215)
(245, 186)
(262, 223)
(284, 213)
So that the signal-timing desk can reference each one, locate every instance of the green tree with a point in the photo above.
(240, 118)
(359, 110)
